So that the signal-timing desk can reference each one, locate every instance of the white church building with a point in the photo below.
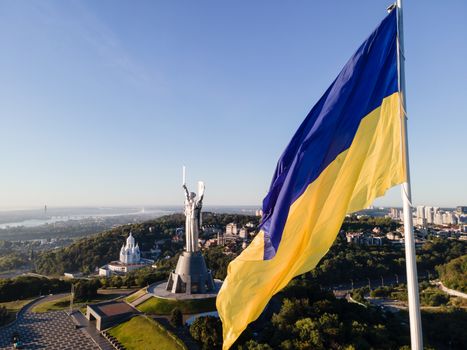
(130, 259)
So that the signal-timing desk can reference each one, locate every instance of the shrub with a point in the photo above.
(176, 318)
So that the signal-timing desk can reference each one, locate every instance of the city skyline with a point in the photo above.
(103, 104)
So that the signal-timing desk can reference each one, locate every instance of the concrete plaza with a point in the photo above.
(48, 330)
(159, 290)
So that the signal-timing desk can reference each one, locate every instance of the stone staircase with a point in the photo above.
(112, 340)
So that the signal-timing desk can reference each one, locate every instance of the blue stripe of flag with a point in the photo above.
(328, 130)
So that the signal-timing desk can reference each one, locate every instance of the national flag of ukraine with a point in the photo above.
(347, 152)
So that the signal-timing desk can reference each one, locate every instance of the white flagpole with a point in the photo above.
(416, 339)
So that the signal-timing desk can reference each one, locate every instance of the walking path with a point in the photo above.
(119, 291)
(349, 298)
(452, 292)
(141, 299)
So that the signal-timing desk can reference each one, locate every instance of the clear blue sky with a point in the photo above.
(102, 102)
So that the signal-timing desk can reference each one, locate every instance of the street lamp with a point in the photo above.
(72, 294)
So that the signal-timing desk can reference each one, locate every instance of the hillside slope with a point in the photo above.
(88, 253)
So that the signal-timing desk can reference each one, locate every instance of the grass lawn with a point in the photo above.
(135, 295)
(13, 307)
(143, 333)
(64, 303)
(159, 306)
(57, 304)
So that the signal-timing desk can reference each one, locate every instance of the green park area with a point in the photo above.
(160, 306)
(142, 332)
(15, 306)
(9, 309)
(64, 303)
(53, 305)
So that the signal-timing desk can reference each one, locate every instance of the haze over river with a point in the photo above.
(32, 218)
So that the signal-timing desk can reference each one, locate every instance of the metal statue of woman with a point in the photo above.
(191, 274)
(192, 215)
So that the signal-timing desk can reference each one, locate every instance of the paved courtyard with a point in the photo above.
(49, 330)
(158, 289)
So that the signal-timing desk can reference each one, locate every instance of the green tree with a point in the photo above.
(28, 286)
(176, 318)
(309, 335)
(207, 330)
(4, 315)
(454, 273)
(253, 345)
(86, 289)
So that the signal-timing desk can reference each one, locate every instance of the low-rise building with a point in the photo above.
(109, 313)
(73, 275)
(243, 233)
(231, 229)
(363, 239)
(393, 236)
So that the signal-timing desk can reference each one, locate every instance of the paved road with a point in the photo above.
(389, 304)
(48, 330)
(13, 273)
(117, 291)
(449, 291)
(388, 280)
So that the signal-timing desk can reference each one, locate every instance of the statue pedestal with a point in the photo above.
(191, 275)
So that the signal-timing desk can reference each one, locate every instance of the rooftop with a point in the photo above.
(112, 308)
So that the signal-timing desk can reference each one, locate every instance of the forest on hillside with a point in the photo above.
(88, 253)
(454, 273)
